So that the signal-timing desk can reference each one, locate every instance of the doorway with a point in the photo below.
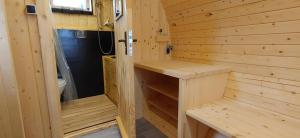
(85, 36)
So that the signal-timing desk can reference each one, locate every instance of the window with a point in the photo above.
(72, 6)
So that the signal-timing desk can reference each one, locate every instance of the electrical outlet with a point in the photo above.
(169, 48)
(30, 9)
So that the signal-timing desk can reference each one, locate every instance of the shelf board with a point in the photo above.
(181, 69)
(165, 107)
(166, 90)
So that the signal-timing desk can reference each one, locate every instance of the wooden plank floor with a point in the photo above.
(84, 113)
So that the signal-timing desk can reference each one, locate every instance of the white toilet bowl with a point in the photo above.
(61, 85)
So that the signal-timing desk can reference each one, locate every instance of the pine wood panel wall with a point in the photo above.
(25, 43)
(259, 39)
(11, 123)
(86, 22)
(149, 17)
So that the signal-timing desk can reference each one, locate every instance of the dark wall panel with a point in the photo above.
(84, 58)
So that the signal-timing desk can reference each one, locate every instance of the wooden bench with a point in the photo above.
(241, 115)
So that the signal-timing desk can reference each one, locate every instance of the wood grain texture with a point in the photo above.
(193, 93)
(257, 38)
(245, 121)
(109, 73)
(181, 69)
(11, 122)
(191, 82)
(125, 72)
(121, 127)
(27, 53)
(47, 46)
(81, 114)
(151, 29)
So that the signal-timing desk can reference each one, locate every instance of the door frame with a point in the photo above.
(45, 25)
(10, 108)
(47, 41)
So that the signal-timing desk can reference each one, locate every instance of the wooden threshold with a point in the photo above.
(87, 115)
(91, 129)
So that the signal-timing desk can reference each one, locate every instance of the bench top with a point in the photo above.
(239, 120)
(181, 69)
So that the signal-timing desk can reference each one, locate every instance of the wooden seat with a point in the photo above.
(240, 120)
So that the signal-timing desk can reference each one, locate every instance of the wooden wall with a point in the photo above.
(149, 17)
(11, 123)
(259, 39)
(27, 42)
(86, 22)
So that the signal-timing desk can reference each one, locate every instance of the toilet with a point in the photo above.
(61, 85)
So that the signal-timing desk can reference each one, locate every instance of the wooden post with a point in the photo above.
(46, 28)
(11, 123)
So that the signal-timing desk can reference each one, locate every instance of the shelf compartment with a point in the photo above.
(168, 108)
(163, 116)
(166, 90)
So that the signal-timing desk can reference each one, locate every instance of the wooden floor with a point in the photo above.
(89, 112)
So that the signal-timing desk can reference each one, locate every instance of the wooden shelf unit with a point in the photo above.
(168, 88)
(161, 95)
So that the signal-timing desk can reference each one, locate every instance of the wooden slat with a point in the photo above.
(88, 112)
(261, 80)
(265, 103)
(24, 45)
(109, 73)
(269, 5)
(254, 29)
(259, 50)
(192, 8)
(183, 5)
(11, 122)
(251, 19)
(271, 39)
(267, 71)
(280, 95)
(273, 61)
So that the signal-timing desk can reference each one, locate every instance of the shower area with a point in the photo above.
(83, 52)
